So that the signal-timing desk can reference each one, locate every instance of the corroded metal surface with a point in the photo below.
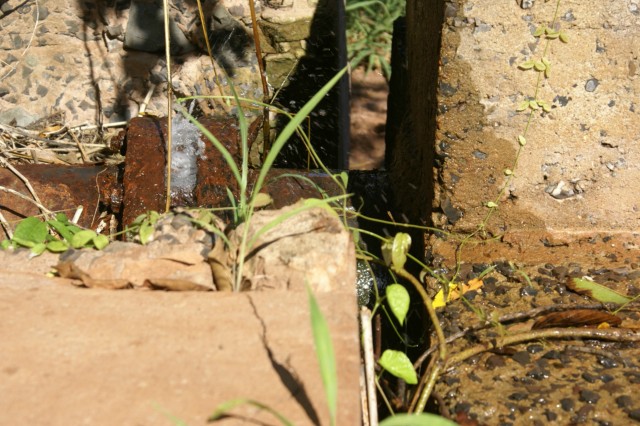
(60, 189)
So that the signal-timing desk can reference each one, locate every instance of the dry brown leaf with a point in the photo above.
(577, 318)
(170, 284)
(218, 261)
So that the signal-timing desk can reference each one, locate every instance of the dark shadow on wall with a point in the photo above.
(325, 55)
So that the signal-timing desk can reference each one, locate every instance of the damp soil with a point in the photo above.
(546, 380)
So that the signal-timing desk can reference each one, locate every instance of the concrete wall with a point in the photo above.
(576, 190)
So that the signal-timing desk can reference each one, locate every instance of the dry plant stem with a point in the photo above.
(433, 373)
(430, 309)
(206, 42)
(369, 366)
(6, 227)
(167, 50)
(263, 78)
(364, 405)
(517, 316)
(615, 335)
(37, 202)
(83, 153)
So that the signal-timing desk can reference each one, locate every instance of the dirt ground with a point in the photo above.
(368, 116)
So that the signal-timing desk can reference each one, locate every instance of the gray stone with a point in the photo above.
(145, 30)
(17, 116)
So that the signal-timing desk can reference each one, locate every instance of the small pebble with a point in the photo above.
(528, 291)
(589, 396)
(591, 85)
(501, 290)
(633, 377)
(607, 362)
(589, 377)
(550, 415)
(606, 378)
(552, 354)
(635, 415)
(462, 407)
(624, 401)
(523, 358)
(538, 374)
(450, 380)
(567, 404)
(494, 361)
(518, 396)
(479, 154)
(535, 348)
(560, 272)
(582, 414)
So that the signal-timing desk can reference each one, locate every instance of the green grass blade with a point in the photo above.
(425, 419)
(325, 354)
(223, 409)
(291, 127)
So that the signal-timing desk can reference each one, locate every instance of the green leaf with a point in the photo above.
(82, 238)
(547, 71)
(399, 300)
(539, 31)
(291, 127)
(57, 246)
(61, 228)
(262, 200)
(564, 37)
(597, 291)
(101, 241)
(521, 140)
(508, 172)
(222, 410)
(527, 65)
(533, 105)
(395, 251)
(344, 177)
(424, 419)
(31, 230)
(398, 364)
(539, 66)
(38, 249)
(491, 204)
(522, 106)
(545, 106)
(146, 232)
(325, 355)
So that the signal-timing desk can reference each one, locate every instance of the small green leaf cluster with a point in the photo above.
(395, 362)
(369, 32)
(551, 34)
(56, 236)
(144, 226)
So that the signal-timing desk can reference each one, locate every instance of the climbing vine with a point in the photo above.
(532, 105)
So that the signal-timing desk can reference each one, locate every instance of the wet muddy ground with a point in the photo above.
(585, 380)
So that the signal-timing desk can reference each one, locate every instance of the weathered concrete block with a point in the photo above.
(574, 192)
